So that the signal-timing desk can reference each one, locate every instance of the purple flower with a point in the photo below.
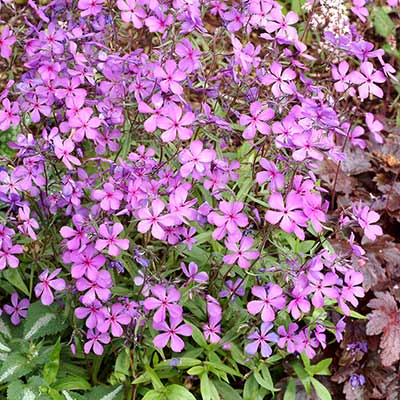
(270, 300)
(47, 283)
(287, 337)
(366, 218)
(279, 78)
(110, 240)
(7, 256)
(233, 289)
(97, 287)
(7, 39)
(257, 120)
(63, 151)
(17, 308)
(86, 262)
(164, 301)
(322, 288)
(261, 339)
(271, 173)
(92, 312)
(131, 12)
(175, 123)
(367, 79)
(341, 76)
(289, 216)
(192, 273)
(9, 115)
(84, 125)
(242, 253)
(109, 197)
(351, 289)
(170, 77)
(357, 380)
(195, 159)
(113, 319)
(172, 333)
(96, 340)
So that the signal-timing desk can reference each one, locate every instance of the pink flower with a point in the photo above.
(78, 237)
(63, 151)
(261, 339)
(175, 123)
(28, 223)
(110, 198)
(192, 273)
(366, 219)
(151, 218)
(48, 282)
(257, 120)
(96, 340)
(189, 56)
(7, 39)
(164, 301)
(170, 77)
(17, 309)
(7, 255)
(287, 337)
(9, 115)
(98, 285)
(84, 125)
(242, 253)
(270, 300)
(131, 12)
(279, 78)
(280, 23)
(93, 312)
(322, 288)
(195, 158)
(86, 262)
(271, 172)
(374, 126)
(289, 216)
(110, 233)
(340, 75)
(90, 7)
(367, 79)
(351, 290)
(114, 318)
(171, 334)
(230, 221)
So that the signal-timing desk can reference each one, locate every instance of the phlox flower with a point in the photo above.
(366, 219)
(242, 253)
(92, 312)
(110, 241)
(271, 299)
(113, 319)
(109, 197)
(195, 159)
(9, 115)
(63, 151)
(287, 337)
(279, 78)
(7, 256)
(170, 76)
(97, 287)
(96, 340)
(257, 120)
(351, 290)
(367, 79)
(28, 223)
(172, 333)
(191, 272)
(261, 339)
(47, 283)
(132, 12)
(270, 173)
(17, 309)
(7, 39)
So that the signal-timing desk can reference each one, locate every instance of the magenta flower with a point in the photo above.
(17, 309)
(287, 337)
(172, 333)
(299, 302)
(304, 342)
(351, 290)
(192, 273)
(261, 339)
(92, 312)
(367, 79)
(195, 159)
(28, 224)
(164, 301)
(86, 262)
(47, 283)
(7, 39)
(270, 300)
(63, 151)
(279, 78)
(233, 289)
(280, 23)
(113, 319)
(175, 123)
(110, 234)
(151, 124)
(242, 253)
(189, 56)
(366, 219)
(9, 115)
(7, 256)
(151, 218)
(97, 288)
(257, 120)
(131, 12)
(78, 236)
(84, 125)
(271, 173)
(110, 198)
(170, 77)
(341, 76)
(374, 126)
(322, 288)
(229, 222)
(96, 340)
(90, 7)
(289, 216)
(212, 330)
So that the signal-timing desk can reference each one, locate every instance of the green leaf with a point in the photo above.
(14, 277)
(290, 392)
(207, 388)
(14, 366)
(264, 379)
(181, 362)
(197, 370)
(155, 380)
(72, 383)
(50, 369)
(302, 375)
(153, 395)
(252, 390)
(383, 24)
(175, 392)
(106, 393)
(122, 364)
(321, 390)
(42, 320)
(322, 368)
(16, 390)
(226, 391)
(198, 337)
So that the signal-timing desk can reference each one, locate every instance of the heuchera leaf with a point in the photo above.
(385, 320)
